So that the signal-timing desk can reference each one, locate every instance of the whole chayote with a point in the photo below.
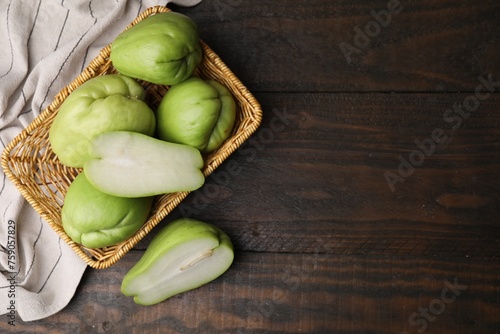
(198, 113)
(105, 103)
(162, 49)
(95, 219)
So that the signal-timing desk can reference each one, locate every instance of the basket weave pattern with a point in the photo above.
(30, 163)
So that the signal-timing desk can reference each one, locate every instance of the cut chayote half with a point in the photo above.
(184, 255)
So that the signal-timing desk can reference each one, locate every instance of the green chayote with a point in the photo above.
(198, 113)
(163, 49)
(184, 255)
(95, 219)
(105, 103)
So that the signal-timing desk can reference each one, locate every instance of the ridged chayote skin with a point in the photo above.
(105, 103)
(95, 219)
(162, 49)
(198, 113)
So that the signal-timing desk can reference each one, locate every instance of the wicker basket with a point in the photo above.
(32, 166)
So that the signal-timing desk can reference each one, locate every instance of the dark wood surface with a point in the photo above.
(369, 199)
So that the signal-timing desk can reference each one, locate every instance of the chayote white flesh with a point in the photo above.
(185, 255)
(130, 164)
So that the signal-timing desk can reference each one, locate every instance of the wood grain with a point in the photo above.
(317, 179)
(260, 294)
(428, 46)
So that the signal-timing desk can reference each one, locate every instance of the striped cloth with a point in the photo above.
(45, 44)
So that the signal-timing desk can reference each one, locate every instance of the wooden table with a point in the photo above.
(369, 199)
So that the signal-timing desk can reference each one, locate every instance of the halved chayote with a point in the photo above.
(184, 255)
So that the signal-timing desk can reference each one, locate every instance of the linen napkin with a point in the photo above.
(44, 45)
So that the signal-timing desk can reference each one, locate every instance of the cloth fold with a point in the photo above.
(45, 45)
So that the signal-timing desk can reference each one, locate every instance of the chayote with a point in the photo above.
(130, 164)
(95, 219)
(105, 103)
(184, 255)
(163, 49)
(198, 113)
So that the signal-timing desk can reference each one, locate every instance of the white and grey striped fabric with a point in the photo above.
(44, 44)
